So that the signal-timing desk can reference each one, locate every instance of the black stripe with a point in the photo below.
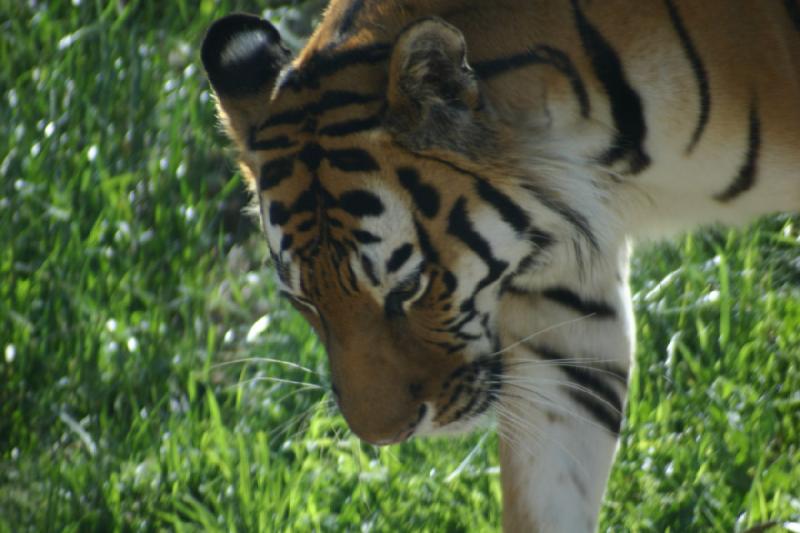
(281, 268)
(450, 283)
(539, 238)
(290, 116)
(349, 17)
(306, 202)
(399, 257)
(575, 218)
(426, 197)
(311, 155)
(469, 316)
(511, 213)
(540, 55)
(333, 99)
(424, 240)
(369, 269)
(328, 62)
(604, 403)
(278, 214)
(527, 264)
(365, 237)
(609, 420)
(794, 12)
(352, 160)
(466, 409)
(307, 224)
(341, 280)
(273, 143)
(457, 390)
(747, 173)
(626, 106)
(459, 225)
(699, 73)
(360, 203)
(449, 347)
(349, 127)
(351, 276)
(567, 298)
(275, 171)
(465, 336)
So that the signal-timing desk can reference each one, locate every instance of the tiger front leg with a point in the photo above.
(554, 471)
(564, 384)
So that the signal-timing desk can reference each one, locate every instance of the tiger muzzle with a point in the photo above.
(385, 385)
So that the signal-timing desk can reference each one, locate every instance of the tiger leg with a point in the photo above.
(553, 483)
(562, 399)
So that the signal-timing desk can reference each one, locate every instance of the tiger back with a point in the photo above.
(448, 189)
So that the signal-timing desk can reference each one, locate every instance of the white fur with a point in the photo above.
(242, 46)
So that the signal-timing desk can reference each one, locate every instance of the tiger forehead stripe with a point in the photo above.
(348, 127)
(329, 100)
(360, 203)
(311, 155)
(326, 63)
(275, 171)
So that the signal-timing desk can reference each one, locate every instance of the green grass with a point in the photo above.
(128, 276)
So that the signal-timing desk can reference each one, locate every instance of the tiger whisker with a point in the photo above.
(245, 360)
(565, 363)
(303, 416)
(294, 392)
(576, 360)
(520, 424)
(463, 464)
(511, 432)
(273, 379)
(544, 400)
(540, 332)
(575, 386)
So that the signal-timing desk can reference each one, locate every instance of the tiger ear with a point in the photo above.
(432, 92)
(243, 55)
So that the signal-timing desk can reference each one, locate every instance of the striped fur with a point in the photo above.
(449, 187)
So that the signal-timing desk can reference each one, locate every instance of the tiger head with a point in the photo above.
(397, 212)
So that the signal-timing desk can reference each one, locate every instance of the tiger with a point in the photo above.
(450, 190)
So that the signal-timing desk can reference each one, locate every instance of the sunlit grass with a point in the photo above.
(129, 279)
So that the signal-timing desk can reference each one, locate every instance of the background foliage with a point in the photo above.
(131, 288)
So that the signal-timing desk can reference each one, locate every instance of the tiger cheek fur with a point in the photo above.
(448, 189)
